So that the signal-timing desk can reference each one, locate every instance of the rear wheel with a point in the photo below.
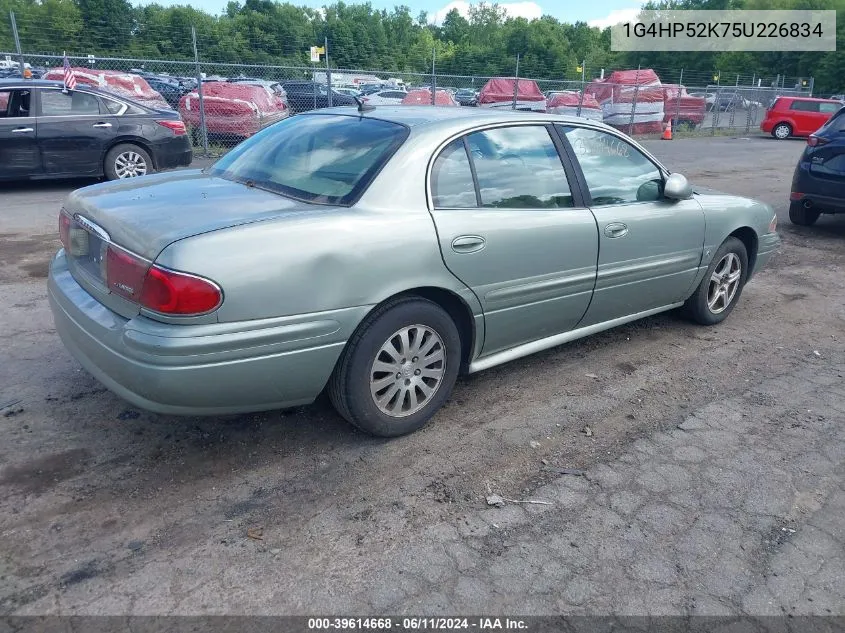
(719, 291)
(398, 369)
(127, 161)
(802, 216)
(782, 131)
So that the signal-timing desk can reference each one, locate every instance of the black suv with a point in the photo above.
(308, 95)
(818, 184)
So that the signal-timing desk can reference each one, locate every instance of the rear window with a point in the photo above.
(324, 159)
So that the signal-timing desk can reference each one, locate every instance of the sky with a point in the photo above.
(599, 13)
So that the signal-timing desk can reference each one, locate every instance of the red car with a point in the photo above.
(797, 116)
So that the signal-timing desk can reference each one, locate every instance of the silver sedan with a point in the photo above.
(377, 253)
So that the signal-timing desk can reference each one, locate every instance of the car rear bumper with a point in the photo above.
(219, 368)
(825, 193)
(174, 153)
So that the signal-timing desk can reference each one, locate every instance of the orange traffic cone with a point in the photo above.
(667, 131)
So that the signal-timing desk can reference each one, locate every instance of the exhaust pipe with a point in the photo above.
(808, 204)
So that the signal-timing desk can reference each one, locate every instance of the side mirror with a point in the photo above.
(677, 187)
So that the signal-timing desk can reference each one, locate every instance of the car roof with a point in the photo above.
(812, 99)
(50, 83)
(425, 115)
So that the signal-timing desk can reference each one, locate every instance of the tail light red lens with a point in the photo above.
(159, 289)
(814, 141)
(177, 127)
(170, 292)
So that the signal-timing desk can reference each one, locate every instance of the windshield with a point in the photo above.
(325, 159)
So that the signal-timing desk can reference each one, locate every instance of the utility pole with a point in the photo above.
(516, 83)
(328, 71)
(199, 91)
(17, 39)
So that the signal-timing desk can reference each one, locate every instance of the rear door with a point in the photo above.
(19, 155)
(514, 231)
(650, 247)
(806, 116)
(74, 130)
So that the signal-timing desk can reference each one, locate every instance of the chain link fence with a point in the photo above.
(224, 103)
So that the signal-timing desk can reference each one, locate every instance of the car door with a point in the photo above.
(19, 155)
(514, 231)
(650, 247)
(74, 130)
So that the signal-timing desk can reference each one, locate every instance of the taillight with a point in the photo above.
(814, 141)
(64, 229)
(159, 289)
(177, 127)
(773, 225)
(171, 292)
(125, 273)
(795, 195)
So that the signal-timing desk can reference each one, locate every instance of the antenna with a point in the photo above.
(363, 107)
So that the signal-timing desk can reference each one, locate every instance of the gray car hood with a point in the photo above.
(146, 214)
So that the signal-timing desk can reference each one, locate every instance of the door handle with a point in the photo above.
(102, 125)
(468, 243)
(21, 130)
(616, 229)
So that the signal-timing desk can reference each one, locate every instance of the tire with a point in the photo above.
(127, 161)
(782, 131)
(423, 321)
(705, 305)
(801, 216)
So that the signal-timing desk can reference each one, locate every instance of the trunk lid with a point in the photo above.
(146, 214)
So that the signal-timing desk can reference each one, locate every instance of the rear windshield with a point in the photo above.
(320, 158)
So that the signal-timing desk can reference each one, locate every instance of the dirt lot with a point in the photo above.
(713, 485)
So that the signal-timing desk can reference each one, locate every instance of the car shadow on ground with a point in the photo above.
(46, 185)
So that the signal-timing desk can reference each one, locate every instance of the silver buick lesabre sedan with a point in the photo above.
(378, 253)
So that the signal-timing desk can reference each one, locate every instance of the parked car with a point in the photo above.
(466, 97)
(386, 97)
(818, 183)
(378, 253)
(233, 111)
(797, 116)
(308, 95)
(681, 108)
(45, 132)
(170, 91)
(349, 92)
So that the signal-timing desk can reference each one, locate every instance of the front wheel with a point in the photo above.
(719, 291)
(127, 161)
(398, 368)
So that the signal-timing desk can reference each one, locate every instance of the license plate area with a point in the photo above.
(79, 242)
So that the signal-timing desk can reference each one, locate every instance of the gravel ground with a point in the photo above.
(713, 470)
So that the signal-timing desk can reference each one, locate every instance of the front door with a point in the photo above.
(74, 131)
(18, 148)
(512, 229)
(650, 247)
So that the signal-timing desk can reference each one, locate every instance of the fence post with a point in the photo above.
(812, 83)
(204, 130)
(433, 76)
(328, 71)
(17, 39)
(581, 98)
(678, 104)
(716, 104)
(516, 83)
(634, 103)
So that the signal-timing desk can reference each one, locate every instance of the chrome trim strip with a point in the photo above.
(533, 347)
(88, 225)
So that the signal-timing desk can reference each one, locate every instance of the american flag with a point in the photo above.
(70, 77)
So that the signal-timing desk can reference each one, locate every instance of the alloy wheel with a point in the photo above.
(724, 282)
(130, 164)
(408, 370)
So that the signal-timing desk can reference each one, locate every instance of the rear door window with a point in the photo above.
(15, 103)
(805, 106)
(58, 103)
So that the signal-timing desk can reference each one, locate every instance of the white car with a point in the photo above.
(351, 92)
(385, 97)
